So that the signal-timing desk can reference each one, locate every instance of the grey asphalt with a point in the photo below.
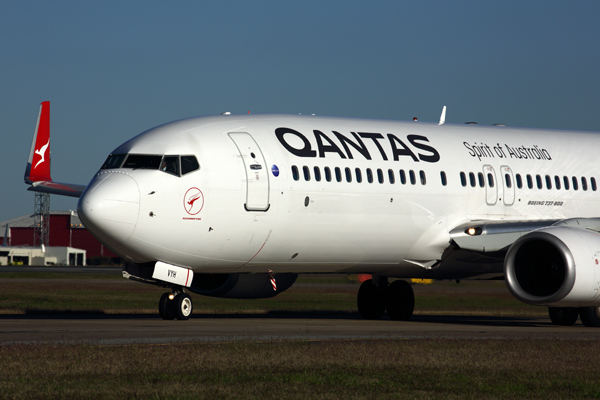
(113, 329)
(144, 328)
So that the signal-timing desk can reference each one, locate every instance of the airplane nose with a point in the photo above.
(109, 208)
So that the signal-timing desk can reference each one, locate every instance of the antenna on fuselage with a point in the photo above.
(443, 116)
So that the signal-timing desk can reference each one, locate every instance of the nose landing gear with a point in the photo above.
(175, 305)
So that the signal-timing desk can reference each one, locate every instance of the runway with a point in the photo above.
(114, 329)
(142, 328)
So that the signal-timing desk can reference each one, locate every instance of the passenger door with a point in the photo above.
(491, 187)
(509, 185)
(255, 168)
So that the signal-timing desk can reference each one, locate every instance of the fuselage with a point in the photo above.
(316, 194)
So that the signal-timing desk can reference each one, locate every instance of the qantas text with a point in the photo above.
(388, 146)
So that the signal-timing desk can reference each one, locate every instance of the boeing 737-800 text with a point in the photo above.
(237, 206)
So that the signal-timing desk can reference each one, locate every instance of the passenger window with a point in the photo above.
(369, 175)
(392, 177)
(170, 165)
(529, 182)
(519, 181)
(566, 182)
(548, 182)
(538, 180)
(490, 180)
(423, 178)
(358, 175)
(507, 181)
(444, 180)
(306, 171)
(189, 164)
(557, 182)
(348, 175)
(327, 174)
(402, 177)
(472, 179)
(463, 179)
(583, 183)
(593, 181)
(113, 161)
(413, 179)
(295, 173)
(380, 175)
(575, 186)
(338, 174)
(317, 174)
(481, 179)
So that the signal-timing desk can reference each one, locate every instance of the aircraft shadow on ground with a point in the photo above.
(472, 320)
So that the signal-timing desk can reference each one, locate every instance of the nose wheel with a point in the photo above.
(175, 305)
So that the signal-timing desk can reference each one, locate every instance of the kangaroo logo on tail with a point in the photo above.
(42, 152)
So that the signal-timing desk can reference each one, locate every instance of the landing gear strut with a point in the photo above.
(375, 296)
(175, 305)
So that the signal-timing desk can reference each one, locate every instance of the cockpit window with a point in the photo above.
(189, 164)
(142, 161)
(170, 164)
(174, 165)
(114, 161)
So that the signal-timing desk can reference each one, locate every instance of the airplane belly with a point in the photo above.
(332, 232)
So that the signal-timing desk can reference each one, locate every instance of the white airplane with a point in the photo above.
(237, 206)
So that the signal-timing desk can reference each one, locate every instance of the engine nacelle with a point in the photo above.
(241, 286)
(555, 266)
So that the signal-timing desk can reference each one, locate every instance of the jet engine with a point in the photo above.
(241, 286)
(555, 266)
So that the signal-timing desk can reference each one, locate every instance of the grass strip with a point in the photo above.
(419, 369)
(80, 293)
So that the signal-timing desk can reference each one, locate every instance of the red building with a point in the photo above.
(66, 230)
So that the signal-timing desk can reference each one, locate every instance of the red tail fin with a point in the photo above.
(38, 165)
(37, 172)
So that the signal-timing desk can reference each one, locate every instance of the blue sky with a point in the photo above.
(116, 68)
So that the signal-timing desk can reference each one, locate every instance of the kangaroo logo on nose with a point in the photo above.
(193, 201)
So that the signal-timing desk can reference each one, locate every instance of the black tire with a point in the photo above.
(182, 305)
(371, 300)
(564, 316)
(590, 316)
(400, 301)
(165, 307)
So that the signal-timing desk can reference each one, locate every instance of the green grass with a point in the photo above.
(462, 304)
(418, 369)
(51, 292)
(59, 275)
(414, 369)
